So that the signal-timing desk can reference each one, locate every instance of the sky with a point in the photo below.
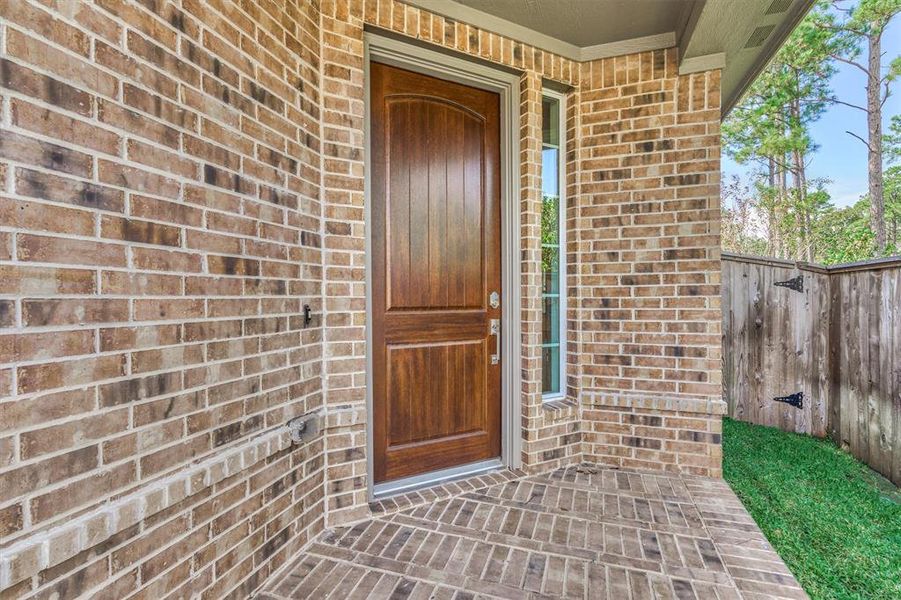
(841, 158)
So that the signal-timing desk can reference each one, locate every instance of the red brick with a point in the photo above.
(39, 153)
(36, 378)
(37, 216)
(32, 50)
(45, 312)
(33, 476)
(46, 186)
(39, 346)
(144, 232)
(36, 85)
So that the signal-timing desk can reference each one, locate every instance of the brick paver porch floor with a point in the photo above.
(579, 532)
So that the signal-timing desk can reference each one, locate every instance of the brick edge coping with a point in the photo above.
(44, 549)
(706, 406)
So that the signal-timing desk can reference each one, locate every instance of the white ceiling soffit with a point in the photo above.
(754, 32)
(738, 36)
(577, 29)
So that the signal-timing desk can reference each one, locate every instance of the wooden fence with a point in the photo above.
(832, 334)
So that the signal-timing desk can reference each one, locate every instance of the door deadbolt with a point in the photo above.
(494, 300)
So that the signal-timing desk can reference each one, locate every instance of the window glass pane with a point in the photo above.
(551, 277)
(550, 121)
(550, 372)
(550, 269)
(550, 160)
(550, 330)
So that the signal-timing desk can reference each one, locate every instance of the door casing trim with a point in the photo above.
(412, 57)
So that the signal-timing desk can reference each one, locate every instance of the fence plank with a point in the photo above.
(839, 342)
(855, 399)
(886, 311)
(834, 400)
(820, 372)
(844, 366)
(740, 329)
(895, 391)
(728, 358)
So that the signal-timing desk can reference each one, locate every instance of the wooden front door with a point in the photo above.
(436, 259)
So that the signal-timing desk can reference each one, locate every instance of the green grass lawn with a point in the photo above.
(835, 522)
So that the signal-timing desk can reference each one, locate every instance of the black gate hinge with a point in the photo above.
(797, 284)
(796, 400)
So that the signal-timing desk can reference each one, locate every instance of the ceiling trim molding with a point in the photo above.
(483, 20)
(659, 41)
(707, 62)
(467, 14)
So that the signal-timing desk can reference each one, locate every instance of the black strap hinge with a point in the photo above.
(796, 400)
(796, 284)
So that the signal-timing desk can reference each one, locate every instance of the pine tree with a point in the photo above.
(770, 128)
(855, 26)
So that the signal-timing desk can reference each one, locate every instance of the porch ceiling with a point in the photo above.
(739, 36)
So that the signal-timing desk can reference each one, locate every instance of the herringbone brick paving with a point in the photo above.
(578, 532)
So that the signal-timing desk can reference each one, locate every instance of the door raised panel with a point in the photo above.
(435, 209)
(454, 371)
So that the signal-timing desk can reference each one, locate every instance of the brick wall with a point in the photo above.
(550, 434)
(160, 229)
(647, 240)
(178, 178)
(551, 431)
(344, 257)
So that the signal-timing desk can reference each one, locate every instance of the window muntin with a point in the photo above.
(553, 293)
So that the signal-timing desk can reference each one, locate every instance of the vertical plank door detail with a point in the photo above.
(436, 257)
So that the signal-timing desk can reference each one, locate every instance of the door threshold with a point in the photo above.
(381, 491)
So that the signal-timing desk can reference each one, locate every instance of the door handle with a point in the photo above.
(494, 328)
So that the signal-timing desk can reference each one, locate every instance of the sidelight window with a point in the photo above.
(553, 290)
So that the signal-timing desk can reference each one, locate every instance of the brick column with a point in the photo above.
(530, 252)
(344, 245)
(649, 253)
(550, 431)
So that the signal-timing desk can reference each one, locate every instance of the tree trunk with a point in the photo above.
(799, 206)
(874, 140)
(772, 233)
(780, 206)
(802, 218)
(806, 220)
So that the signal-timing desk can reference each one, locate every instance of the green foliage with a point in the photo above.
(840, 235)
(891, 141)
(845, 233)
(834, 522)
(782, 213)
(793, 91)
(853, 22)
(868, 16)
(550, 228)
(740, 221)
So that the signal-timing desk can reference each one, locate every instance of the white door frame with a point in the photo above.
(452, 68)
